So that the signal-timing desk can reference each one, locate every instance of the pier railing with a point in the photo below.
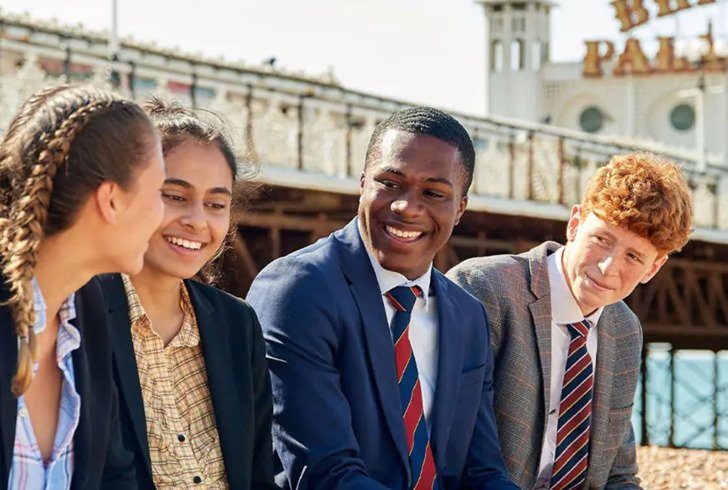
(310, 132)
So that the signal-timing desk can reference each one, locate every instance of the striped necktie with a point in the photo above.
(572, 437)
(422, 463)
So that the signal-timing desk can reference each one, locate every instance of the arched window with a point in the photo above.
(496, 56)
(517, 55)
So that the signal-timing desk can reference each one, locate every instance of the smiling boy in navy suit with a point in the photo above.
(381, 366)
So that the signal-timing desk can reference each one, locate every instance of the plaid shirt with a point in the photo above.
(184, 445)
(28, 470)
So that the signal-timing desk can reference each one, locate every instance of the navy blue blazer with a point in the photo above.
(237, 374)
(337, 415)
(100, 458)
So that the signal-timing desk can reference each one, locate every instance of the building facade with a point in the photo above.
(626, 94)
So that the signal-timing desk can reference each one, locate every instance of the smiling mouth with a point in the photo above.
(403, 235)
(597, 284)
(187, 244)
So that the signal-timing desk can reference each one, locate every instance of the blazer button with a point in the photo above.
(181, 437)
(197, 480)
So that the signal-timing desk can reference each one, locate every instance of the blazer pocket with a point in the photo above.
(616, 414)
(472, 376)
(620, 422)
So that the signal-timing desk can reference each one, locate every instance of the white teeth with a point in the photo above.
(403, 233)
(184, 243)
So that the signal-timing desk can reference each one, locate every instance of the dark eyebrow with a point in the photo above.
(391, 170)
(187, 185)
(438, 180)
(220, 190)
(179, 182)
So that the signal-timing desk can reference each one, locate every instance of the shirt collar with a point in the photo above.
(387, 279)
(188, 335)
(564, 309)
(68, 338)
(39, 307)
(66, 313)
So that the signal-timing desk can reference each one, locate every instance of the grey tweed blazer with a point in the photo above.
(515, 292)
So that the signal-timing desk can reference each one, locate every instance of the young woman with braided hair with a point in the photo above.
(80, 177)
(190, 359)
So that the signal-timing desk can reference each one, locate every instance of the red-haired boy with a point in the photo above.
(567, 348)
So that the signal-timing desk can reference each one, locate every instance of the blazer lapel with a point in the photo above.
(602, 390)
(125, 361)
(8, 403)
(363, 284)
(82, 438)
(541, 317)
(229, 415)
(449, 365)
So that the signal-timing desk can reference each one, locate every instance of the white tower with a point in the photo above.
(518, 35)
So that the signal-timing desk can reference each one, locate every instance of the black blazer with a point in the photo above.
(237, 373)
(100, 458)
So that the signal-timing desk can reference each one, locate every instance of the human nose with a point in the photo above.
(407, 204)
(194, 216)
(606, 264)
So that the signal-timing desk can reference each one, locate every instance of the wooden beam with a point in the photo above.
(287, 222)
(241, 249)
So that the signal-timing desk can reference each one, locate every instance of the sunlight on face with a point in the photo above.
(603, 263)
(197, 196)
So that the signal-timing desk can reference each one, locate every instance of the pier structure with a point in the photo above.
(307, 137)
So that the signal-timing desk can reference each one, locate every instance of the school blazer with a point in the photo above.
(100, 458)
(338, 416)
(237, 372)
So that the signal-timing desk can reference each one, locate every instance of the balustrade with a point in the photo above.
(316, 128)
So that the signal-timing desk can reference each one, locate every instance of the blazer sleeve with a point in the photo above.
(312, 431)
(262, 476)
(484, 467)
(623, 473)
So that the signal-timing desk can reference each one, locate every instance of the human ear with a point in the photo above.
(573, 224)
(461, 209)
(654, 269)
(106, 198)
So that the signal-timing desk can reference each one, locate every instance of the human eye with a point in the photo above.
(388, 184)
(169, 196)
(435, 194)
(634, 257)
(217, 206)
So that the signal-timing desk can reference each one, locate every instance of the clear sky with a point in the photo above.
(427, 51)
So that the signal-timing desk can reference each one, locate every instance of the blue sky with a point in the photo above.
(427, 51)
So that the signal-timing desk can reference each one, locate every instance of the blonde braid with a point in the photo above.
(11, 148)
(28, 213)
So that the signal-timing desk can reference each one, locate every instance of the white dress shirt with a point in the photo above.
(423, 327)
(564, 310)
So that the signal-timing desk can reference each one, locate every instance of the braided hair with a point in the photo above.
(61, 145)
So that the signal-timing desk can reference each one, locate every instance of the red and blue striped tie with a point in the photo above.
(572, 437)
(422, 464)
